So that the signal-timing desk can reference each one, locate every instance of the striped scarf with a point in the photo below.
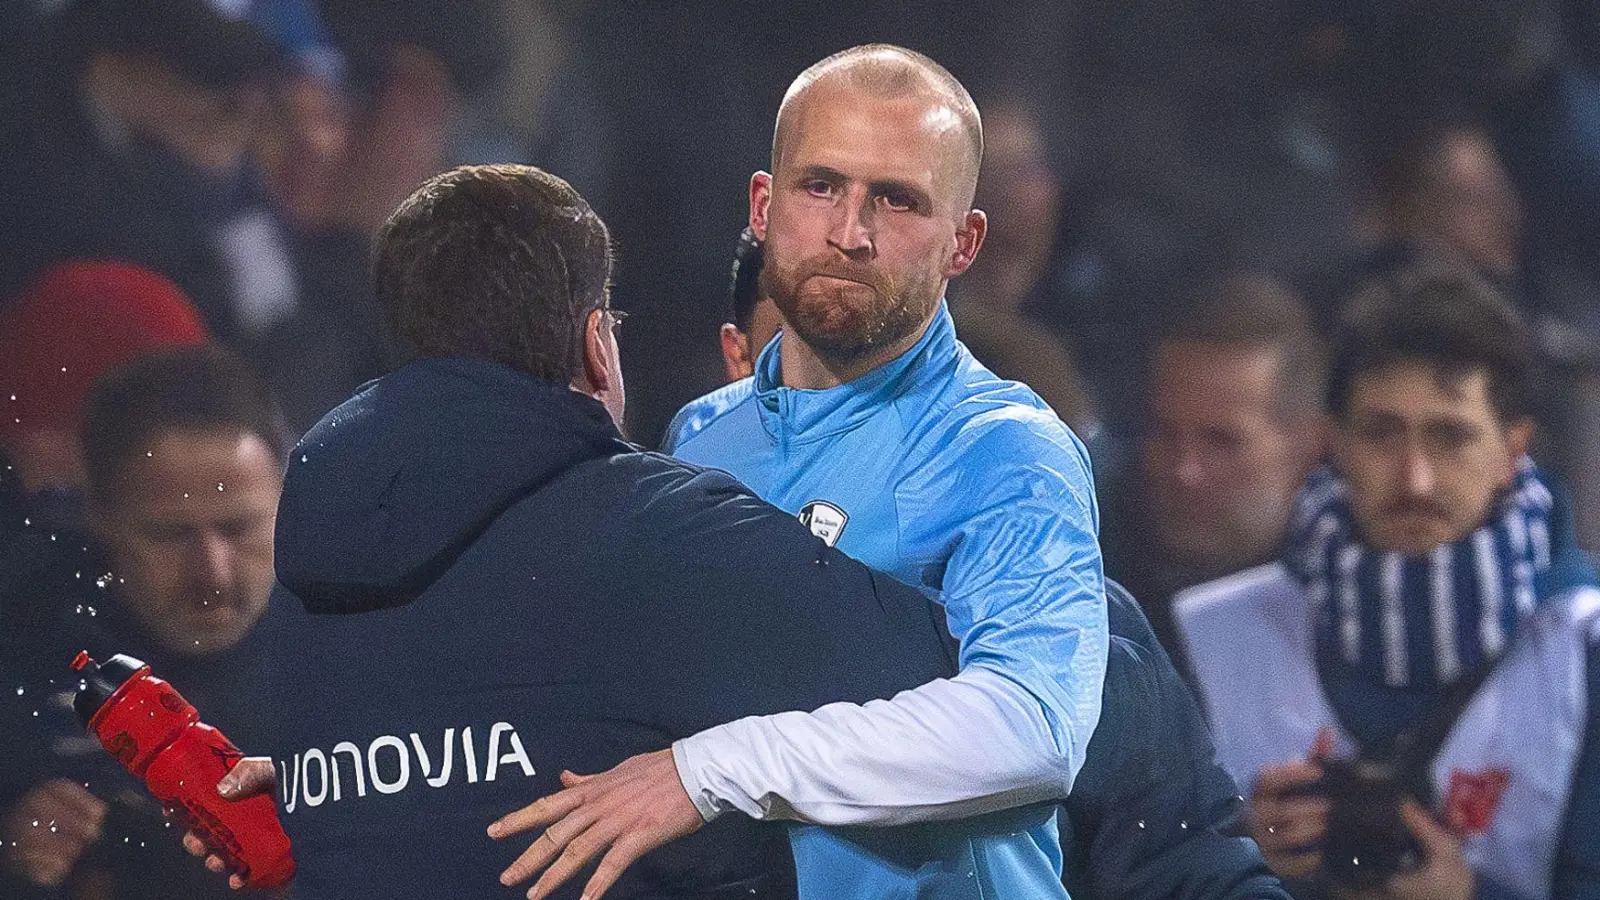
(1425, 620)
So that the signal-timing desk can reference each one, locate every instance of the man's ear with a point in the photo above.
(969, 240)
(736, 356)
(597, 353)
(760, 201)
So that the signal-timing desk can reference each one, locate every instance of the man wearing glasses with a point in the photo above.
(485, 585)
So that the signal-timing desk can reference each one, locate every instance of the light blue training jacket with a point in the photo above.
(933, 469)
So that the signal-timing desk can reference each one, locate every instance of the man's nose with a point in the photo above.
(1184, 465)
(215, 560)
(852, 231)
(1420, 474)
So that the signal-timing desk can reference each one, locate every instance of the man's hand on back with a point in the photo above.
(622, 813)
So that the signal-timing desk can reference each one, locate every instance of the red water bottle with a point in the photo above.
(158, 736)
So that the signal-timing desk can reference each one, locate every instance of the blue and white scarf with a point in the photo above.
(1426, 620)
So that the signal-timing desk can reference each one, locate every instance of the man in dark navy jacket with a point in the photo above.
(533, 593)
(487, 586)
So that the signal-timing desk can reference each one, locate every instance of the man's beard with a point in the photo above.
(848, 322)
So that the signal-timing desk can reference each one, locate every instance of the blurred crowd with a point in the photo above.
(1184, 198)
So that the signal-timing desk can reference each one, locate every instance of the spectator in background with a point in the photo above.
(146, 112)
(995, 308)
(184, 452)
(1436, 191)
(1444, 183)
(1234, 426)
(77, 320)
(226, 149)
(343, 144)
(412, 71)
(1431, 566)
(1442, 197)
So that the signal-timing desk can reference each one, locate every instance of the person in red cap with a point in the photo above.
(77, 320)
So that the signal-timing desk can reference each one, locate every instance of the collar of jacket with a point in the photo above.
(805, 415)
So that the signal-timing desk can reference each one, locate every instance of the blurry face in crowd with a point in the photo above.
(303, 149)
(740, 348)
(210, 128)
(1425, 456)
(1223, 460)
(195, 559)
(1467, 199)
(864, 219)
(1022, 194)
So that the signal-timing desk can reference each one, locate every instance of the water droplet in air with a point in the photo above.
(219, 485)
(302, 457)
(185, 495)
(36, 823)
(19, 691)
(1141, 823)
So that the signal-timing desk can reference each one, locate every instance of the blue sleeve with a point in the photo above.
(1577, 875)
(1023, 588)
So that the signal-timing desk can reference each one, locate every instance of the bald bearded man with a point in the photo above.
(871, 422)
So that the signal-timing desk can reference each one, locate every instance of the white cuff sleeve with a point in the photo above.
(950, 749)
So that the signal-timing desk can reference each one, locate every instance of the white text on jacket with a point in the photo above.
(315, 777)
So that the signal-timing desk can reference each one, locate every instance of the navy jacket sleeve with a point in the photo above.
(1152, 813)
(772, 619)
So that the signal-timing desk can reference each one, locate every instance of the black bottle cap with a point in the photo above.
(100, 681)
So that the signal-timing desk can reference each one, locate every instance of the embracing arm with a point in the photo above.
(1024, 593)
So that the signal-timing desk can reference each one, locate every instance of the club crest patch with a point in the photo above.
(825, 520)
(1474, 798)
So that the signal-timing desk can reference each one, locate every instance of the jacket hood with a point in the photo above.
(384, 494)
